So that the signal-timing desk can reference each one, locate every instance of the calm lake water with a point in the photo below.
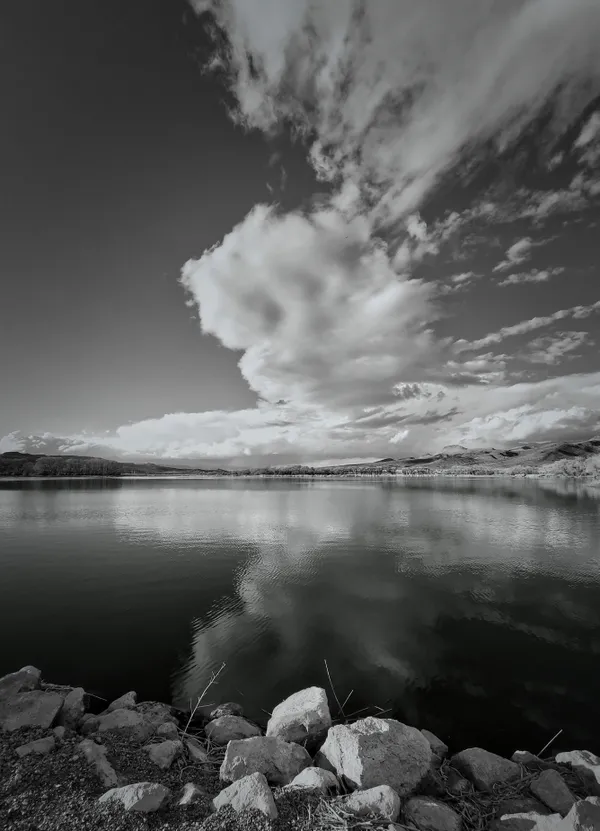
(470, 607)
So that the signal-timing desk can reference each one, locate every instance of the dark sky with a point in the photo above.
(118, 163)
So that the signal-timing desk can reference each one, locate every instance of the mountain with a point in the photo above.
(556, 458)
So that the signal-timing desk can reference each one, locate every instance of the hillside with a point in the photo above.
(552, 458)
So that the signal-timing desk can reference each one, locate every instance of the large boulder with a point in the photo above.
(314, 779)
(95, 755)
(485, 769)
(40, 746)
(30, 709)
(25, 679)
(126, 722)
(164, 753)
(279, 761)
(230, 728)
(551, 789)
(249, 792)
(376, 751)
(141, 796)
(127, 701)
(586, 764)
(381, 801)
(73, 709)
(583, 816)
(304, 715)
(431, 815)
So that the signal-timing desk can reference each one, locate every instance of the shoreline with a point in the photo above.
(70, 761)
(585, 478)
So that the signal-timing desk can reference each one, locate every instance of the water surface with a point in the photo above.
(470, 607)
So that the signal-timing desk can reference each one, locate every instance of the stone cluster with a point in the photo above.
(374, 767)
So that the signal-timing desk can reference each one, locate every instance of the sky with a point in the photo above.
(244, 232)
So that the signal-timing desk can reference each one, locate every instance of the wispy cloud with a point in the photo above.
(577, 312)
(516, 254)
(533, 276)
(553, 348)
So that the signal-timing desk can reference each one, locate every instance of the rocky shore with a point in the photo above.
(68, 761)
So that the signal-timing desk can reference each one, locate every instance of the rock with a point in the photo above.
(95, 755)
(376, 751)
(40, 746)
(315, 779)
(228, 709)
(25, 679)
(168, 730)
(59, 732)
(587, 764)
(164, 754)
(142, 796)
(279, 761)
(303, 715)
(191, 794)
(30, 709)
(127, 701)
(73, 709)
(456, 783)
(381, 801)
(431, 815)
(196, 752)
(432, 783)
(521, 805)
(229, 728)
(156, 713)
(527, 822)
(485, 769)
(583, 816)
(437, 745)
(124, 721)
(552, 790)
(89, 724)
(529, 760)
(249, 792)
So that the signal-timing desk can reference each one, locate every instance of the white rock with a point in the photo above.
(304, 715)
(249, 792)
(124, 721)
(164, 753)
(168, 730)
(376, 751)
(30, 709)
(588, 765)
(39, 746)
(73, 709)
(279, 761)
(142, 796)
(127, 701)
(195, 750)
(583, 816)
(25, 679)
(95, 755)
(381, 801)
(190, 795)
(229, 728)
(314, 779)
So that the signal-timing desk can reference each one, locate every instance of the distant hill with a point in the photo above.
(579, 458)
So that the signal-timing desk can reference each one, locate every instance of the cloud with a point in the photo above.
(391, 94)
(534, 276)
(551, 349)
(516, 254)
(316, 307)
(578, 312)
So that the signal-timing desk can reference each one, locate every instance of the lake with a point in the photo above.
(467, 606)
